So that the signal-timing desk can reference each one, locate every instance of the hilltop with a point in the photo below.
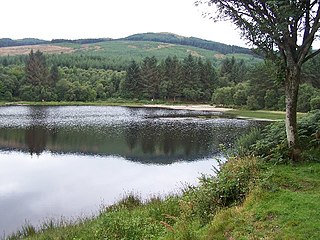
(119, 52)
(150, 36)
(189, 41)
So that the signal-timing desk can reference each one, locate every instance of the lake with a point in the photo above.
(68, 161)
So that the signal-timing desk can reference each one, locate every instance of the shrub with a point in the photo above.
(228, 187)
(306, 92)
(252, 103)
(223, 96)
(244, 144)
(271, 142)
(240, 97)
(315, 103)
(271, 99)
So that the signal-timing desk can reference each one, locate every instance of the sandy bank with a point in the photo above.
(203, 107)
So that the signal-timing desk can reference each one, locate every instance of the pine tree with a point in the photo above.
(36, 69)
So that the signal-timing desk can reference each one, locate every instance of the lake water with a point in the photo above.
(68, 161)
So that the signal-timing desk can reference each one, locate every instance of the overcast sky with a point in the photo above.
(73, 19)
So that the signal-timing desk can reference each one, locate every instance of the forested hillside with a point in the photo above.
(8, 42)
(189, 41)
(148, 70)
(150, 37)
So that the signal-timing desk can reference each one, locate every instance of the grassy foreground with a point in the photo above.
(249, 199)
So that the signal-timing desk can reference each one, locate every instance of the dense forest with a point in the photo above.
(94, 77)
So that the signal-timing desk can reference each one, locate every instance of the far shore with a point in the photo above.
(195, 107)
(265, 115)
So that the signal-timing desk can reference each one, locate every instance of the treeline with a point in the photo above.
(84, 61)
(37, 77)
(261, 87)
(38, 81)
(191, 80)
(189, 41)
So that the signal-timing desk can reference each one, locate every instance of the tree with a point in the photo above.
(150, 77)
(284, 31)
(132, 84)
(170, 85)
(36, 69)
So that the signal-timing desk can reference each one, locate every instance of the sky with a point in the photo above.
(75, 19)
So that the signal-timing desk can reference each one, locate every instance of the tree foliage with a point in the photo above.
(284, 31)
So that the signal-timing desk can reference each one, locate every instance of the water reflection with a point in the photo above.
(144, 139)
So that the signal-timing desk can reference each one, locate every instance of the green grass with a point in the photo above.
(258, 114)
(286, 206)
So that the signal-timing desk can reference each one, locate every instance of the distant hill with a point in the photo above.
(8, 42)
(149, 37)
(81, 41)
(189, 41)
(114, 54)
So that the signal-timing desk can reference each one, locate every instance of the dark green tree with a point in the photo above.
(150, 77)
(170, 86)
(36, 69)
(207, 78)
(132, 86)
(54, 75)
(191, 89)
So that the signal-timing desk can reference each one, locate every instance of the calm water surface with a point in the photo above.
(68, 161)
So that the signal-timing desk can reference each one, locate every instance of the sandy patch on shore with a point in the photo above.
(23, 50)
(203, 107)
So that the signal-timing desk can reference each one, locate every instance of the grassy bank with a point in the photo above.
(258, 114)
(256, 200)
(284, 205)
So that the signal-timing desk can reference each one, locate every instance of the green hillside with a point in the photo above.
(123, 51)
(189, 41)
(115, 54)
(119, 52)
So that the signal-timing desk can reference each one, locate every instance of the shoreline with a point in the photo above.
(192, 107)
(263, 115)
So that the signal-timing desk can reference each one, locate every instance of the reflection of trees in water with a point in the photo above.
(161, 139)
(151, 141)
(36, 136)
(36, 139)
(131, 137)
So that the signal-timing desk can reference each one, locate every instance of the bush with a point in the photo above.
(271, 142)
(315, 103)
(223, 96)
(244, 144)
(227, 188)
(252, 103)
(271, 99)
(240, 97)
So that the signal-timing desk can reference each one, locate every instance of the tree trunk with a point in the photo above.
(291, 90)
